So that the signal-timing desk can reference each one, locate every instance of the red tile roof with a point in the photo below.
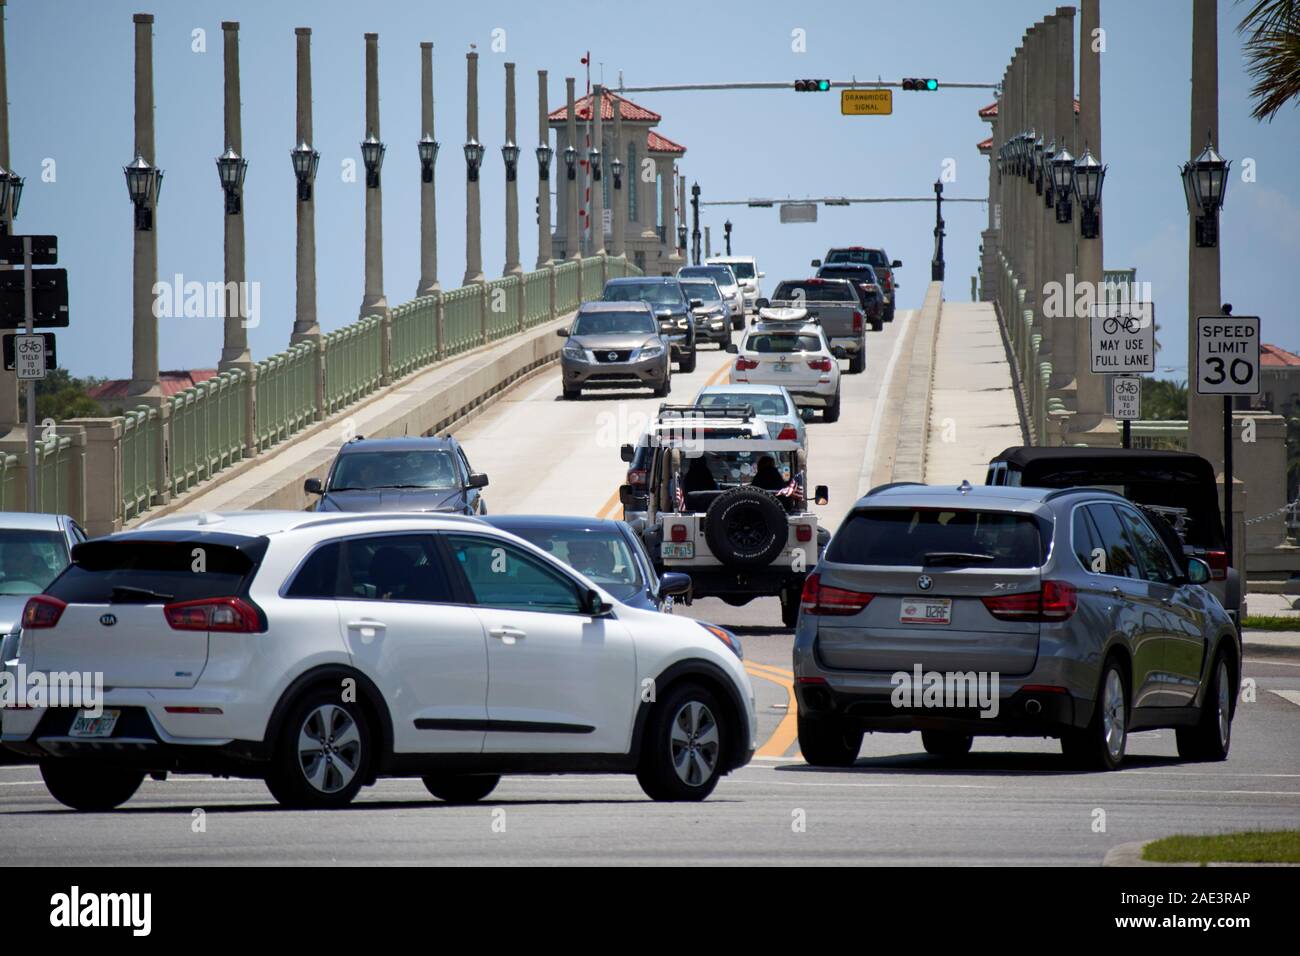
(172, 383)
(662, 144)
(1275, 357)
(990, 111)
(985, 145)
(631, 111)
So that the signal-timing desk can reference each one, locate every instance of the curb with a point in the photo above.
(1290, 651)
(1130, 854)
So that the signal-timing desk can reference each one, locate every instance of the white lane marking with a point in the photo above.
(869, 455)
(1291, 696)
(1260, 660)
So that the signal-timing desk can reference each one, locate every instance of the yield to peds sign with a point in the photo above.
(1227, 355)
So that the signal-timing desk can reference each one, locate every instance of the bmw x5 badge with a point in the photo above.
(925, 582)
(108, 620)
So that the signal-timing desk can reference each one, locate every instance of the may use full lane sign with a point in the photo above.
(1122, 337)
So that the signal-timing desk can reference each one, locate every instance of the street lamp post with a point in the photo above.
(1205, 180)
(1089, 175)
(695, 223)
(936, 264)
(427, 148)
(726, 230)
(231, 168)
(1062, 171)
(1046, 176)
(143, 184)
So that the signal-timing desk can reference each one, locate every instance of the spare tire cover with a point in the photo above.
(746, 527)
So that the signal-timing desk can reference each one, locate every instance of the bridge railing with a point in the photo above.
(149, 455)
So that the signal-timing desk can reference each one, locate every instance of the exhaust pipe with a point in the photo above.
(1033, 707)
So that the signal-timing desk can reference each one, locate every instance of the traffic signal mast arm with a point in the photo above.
(790, 84)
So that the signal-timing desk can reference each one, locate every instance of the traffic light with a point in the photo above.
(812, 86)
(913, 83)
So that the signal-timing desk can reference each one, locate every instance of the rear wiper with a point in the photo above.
(956, 557)
(128, 595)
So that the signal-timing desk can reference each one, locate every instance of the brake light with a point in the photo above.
(803, 532)
(889, 282)
(820, 364)
(857, 321)
(230, 615)
(1055, 601)
(678, 533)
(821, 598)
(1218, 562)
(42, 611)
(787, 434)
(744, 365)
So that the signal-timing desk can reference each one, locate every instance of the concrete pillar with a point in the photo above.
(1044, 217)
(626, 181)
(1205, 414)
(572, 197)
(305, 324)
(374, 302)
(473, 206)
(145, 388)
(8, 380)
(234, 351)
(512, 181)
(1063, 236)
(1040, 93)
(544, 253)
(597, 186)
(428, 284)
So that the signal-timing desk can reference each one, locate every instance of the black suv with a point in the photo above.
(672, 308)
(401, 474)
(878, 259)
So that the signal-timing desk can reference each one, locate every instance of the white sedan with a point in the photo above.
(794, 354)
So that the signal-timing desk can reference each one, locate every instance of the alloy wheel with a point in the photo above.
(1113, 715)
(329, 748)
(695, 743)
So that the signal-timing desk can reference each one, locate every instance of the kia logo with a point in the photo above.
(925, 582)
(108, 620)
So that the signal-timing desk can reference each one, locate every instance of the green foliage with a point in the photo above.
(61, 396)
(1272, 54)
(1164, 399)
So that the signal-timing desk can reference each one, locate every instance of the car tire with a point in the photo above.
(89, 787)
(826, 742)
(945, 743)
(663, 390)
(572, 393)
(1101, 745)
(1211, 737)
(684, 745)
(790, 600)
(889, 313)
(461, 787)
(309, 777)
(687, 363)
(858, 361)
(746, 527)
(832, 411)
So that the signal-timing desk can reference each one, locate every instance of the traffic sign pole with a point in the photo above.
(31, 384)
(1227, 475)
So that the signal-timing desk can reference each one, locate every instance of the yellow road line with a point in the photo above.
(777, 671)
(787, 732)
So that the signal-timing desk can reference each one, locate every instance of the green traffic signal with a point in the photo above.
(931, 84)
(823, 85)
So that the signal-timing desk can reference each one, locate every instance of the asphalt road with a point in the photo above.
(1009, 802)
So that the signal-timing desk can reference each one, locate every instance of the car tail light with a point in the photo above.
(744, 365)
(226, 614)
(857, 321)
(678, 533)
(803, 532)
(821, 598)
(787, 434)
(42, 611)
(636, 476)
(820, 364)
(889, 282)
(1055, 601)
(1218, 562)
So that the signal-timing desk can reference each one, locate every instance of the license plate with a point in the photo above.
(670, 550)
(85, 725)
(781, 366)
(925, 611)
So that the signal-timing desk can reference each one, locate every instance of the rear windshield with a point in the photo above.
(782, 342)
(705, 289)
(814, 291)
(761, 403)
(872, 257)
(131, 571)
(719, 274)
(932, 537)
(742, 270)
(846, 272)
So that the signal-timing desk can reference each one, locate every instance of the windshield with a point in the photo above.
(656, 293)
(762, 404)
(811, 290)
(359, 471)
(614, 323)
(719, 274)
(30, 560)
(932, 537)
(705, 290)
(728, 469)
(743, 270)
(782, 342)
(603, 556)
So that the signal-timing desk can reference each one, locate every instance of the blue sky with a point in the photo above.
(70, 91)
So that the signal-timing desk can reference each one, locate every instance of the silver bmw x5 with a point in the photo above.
(1005, 611)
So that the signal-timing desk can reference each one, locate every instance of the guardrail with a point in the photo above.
(1158, 435)
(106, 471)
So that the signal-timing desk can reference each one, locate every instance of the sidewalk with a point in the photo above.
(973, 413)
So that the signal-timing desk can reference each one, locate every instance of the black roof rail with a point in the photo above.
(744, 412)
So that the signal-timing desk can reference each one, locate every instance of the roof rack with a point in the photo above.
(742, 412)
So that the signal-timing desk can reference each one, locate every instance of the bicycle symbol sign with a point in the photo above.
(1126, 395)
(1122, 338)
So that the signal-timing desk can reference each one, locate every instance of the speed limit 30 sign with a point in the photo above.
(1227, 355)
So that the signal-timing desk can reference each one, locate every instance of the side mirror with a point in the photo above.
(697, 303)
(313, 487)
(762, 275)
(676, 584)
(593, 604)
(733, 348)
(562, 333)
(840, 352)
(626, 453)
(821, 495)
(477, 479)
(1198, 572)
(762, 303)
(807, 414)
(896, 264)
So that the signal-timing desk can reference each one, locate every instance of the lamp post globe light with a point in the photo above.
(474, 151)
(304, 160)
(372, 155)
(571, 160)
(593, 159)
(1205, 180)
(143, 184)
(231, 168)
(14, 185)
(510, 153)
(681, 236)
(616, 167)
(1045, 176)
(1062, 173)
(427, 147)
(4, 199)
(1089, 175)
(544, 153)
(1036, 165)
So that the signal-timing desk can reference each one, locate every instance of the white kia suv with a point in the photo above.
(320, 652)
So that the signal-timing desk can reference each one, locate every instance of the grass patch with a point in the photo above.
(1270, 623)
(1272, 846)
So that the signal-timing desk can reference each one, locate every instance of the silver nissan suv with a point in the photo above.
(1008, 611)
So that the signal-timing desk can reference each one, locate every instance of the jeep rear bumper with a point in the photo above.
(724, 582)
